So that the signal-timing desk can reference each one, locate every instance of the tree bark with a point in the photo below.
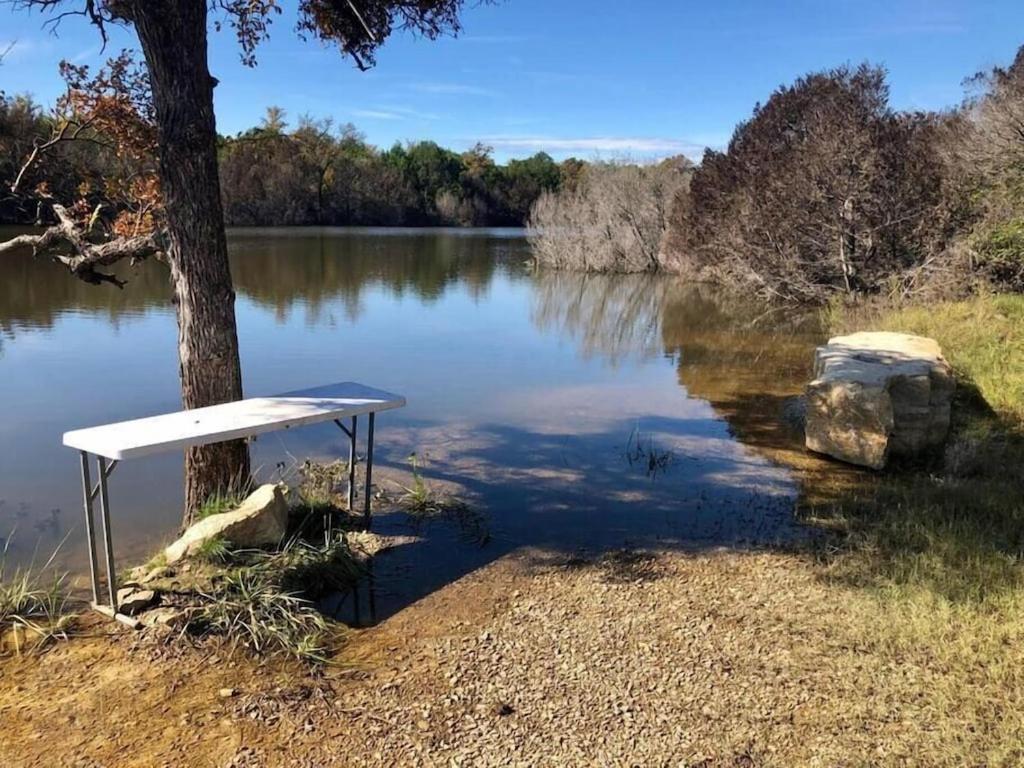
(173, 38)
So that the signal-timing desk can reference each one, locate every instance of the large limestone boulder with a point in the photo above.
(261, 520)
(876, 395)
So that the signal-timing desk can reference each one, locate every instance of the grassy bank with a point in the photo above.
(953, 524)
(933, 551)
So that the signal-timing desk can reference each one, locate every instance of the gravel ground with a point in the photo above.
(712, 659)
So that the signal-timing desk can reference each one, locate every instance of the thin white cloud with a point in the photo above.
(15, 50)
(457, 89)
(394, 113)
(597, 144)
(377, 114)
(85, 54)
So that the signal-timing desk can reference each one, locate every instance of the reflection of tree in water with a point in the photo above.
(310, 268)
(747, 359)
(35, 292)
(613, 316)
(275, 268)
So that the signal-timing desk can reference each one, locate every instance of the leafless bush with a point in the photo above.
(613, 220)
(989, 157)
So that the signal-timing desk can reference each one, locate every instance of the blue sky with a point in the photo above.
(637, 78)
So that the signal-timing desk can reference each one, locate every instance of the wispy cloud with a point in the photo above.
(597, 144)
(377, 114)
(18, 49)
(394, 113)
(457, 89)
(85, 54)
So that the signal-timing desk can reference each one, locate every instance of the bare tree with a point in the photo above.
(612, 219)
(989, 156)
(173, 37)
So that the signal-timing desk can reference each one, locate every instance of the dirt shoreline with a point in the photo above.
(716, 658)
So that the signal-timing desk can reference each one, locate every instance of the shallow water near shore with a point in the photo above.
(570, 412)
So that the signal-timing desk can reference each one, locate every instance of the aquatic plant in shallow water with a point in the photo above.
(422, 503)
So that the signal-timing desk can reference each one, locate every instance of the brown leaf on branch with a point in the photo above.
(115, 216)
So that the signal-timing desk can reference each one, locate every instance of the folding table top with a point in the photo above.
(230, 421)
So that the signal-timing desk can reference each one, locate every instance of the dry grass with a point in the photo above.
(34, 604)
(929, 557)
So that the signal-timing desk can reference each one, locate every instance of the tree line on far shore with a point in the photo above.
(315, 173)
(827, 190)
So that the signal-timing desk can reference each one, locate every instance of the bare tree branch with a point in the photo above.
(86, 257)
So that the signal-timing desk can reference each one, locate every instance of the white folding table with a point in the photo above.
(241, 419)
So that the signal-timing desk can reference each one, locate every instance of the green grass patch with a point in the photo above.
(215, 551)
(219, 503)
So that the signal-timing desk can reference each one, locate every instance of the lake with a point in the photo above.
(570, 412)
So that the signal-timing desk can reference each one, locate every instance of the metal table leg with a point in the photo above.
(90, 492)
(108, 545)
(369, 470)
(90, 532)
(352, 467)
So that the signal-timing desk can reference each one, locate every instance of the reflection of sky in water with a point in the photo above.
(523, 391)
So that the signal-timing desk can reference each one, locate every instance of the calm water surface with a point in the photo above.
(539, 397)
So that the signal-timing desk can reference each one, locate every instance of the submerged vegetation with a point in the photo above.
(645, 454)
(422, 502)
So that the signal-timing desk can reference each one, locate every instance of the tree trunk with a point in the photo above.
(173, 37)
(847, 244)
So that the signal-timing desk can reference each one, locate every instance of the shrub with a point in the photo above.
(1000, 254)
(823, 190)
(612, 219)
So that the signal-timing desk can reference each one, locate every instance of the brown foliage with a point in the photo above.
(113, 210)
(824, 190)
(115, 107)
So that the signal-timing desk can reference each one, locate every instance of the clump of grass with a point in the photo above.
(419, 499)
(35, 600)
(319, 482)
(250, 608)
(214, 551)
(266, 602)
(314, 571)
(422, 502)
